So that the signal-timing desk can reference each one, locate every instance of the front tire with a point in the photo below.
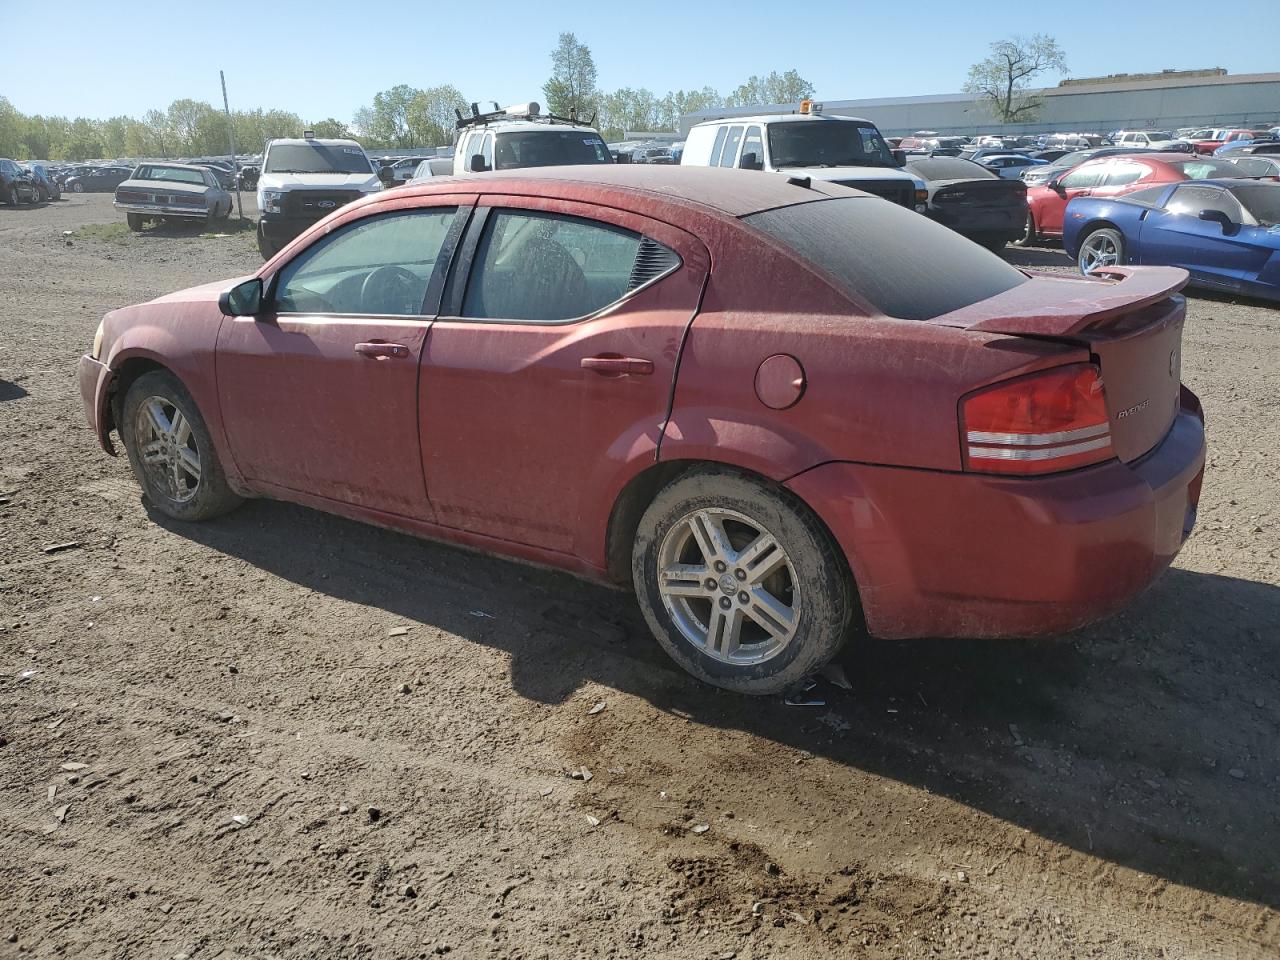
(1100, 249)
(11, 196)
(171, 452)
(740, 582)
(265, 246)
(136, 221)
(77, 187)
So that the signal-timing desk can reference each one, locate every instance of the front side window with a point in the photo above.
(729, 156)
(380, 266)
(548, 268)
(1086, 176)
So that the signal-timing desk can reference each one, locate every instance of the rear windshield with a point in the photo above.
(174, 174)
(1206, 169)
(946, 168)
(903, 264)
(316, 158)
(550, 148)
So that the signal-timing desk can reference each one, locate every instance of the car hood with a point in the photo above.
(850, 173)
(205, 293)
(367, 182)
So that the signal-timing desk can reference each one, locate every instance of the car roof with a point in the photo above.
(737, 193)
(165, 163)
(509, 126)
(299, 141)
(783, 118)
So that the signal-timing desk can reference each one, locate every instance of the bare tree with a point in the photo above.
(1003, 79)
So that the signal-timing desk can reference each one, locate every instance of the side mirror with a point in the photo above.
(242, 300)
(386, 175)
(477, 164)
(1055, 184)
(1218, 217)
(900, 157)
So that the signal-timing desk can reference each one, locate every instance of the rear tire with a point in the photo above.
(993, 243)
(1029, 237)
(11, 196)
(77, 187)
(136, 221)
(758, 628)
(171, 452)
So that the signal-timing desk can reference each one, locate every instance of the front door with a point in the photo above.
(1176, 236)
(319, 392)
(553, 365)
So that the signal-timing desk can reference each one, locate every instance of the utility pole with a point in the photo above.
(231, 137)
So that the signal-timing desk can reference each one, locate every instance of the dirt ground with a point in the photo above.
(1114, 793)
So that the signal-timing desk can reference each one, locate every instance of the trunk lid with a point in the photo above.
(1131, 321)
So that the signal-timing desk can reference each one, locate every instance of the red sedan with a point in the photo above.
(1111, 177)
(776, 407)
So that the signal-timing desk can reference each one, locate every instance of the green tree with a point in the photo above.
(776, 87)
(571, 89)
(330, 129)
(431, 116)
(1002, 81)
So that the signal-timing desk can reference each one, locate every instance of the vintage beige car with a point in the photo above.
(172, 191)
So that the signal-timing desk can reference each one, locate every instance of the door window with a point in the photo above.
(1083, 178)
(548, 268)
(379, 266)
(716, 147)
(753, 142)
(730, 154)
(1190, 200)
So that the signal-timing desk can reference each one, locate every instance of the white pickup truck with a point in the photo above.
(843, 150)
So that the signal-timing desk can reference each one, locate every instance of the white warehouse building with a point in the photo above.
(1159, 101)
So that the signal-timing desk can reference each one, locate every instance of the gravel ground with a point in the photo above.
(1114, 793)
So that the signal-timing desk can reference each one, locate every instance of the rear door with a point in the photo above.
(552, 364)
(319, 392)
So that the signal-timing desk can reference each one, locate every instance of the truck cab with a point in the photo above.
(305, 180)
(844, 150)
(522, 136)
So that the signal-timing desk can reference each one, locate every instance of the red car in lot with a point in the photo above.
(1209, 144)
(1111, 177)
(775, 407)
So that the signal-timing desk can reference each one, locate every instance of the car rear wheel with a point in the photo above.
(77, 187)
(1102, 248)
(1028, 237)
(136, 221)
(740, 583)
(170, 450)
(11, 196)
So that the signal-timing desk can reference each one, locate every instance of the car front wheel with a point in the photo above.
(170, 450)
(740, 583)
(136, 221)
(78, 187)
(1102, 248)
(1028, 238)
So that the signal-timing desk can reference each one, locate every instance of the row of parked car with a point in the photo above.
(26, 183)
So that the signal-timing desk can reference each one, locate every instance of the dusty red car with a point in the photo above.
(1112, 176)
(775, 407)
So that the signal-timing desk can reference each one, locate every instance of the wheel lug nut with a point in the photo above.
(740, 574)
(720, 566)
(724, 603)
(742, 597)
(711, 583)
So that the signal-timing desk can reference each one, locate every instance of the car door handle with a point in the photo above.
(380, 350)
(616, 365)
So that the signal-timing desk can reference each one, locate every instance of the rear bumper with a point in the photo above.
(963, 555)
(159, 210)
(95, 382)
(1010, 221)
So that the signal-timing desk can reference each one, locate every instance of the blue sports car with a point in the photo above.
(1225, 233)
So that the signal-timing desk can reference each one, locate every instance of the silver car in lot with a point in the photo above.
(172, 191)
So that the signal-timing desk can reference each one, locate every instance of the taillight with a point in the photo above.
(1041, 423)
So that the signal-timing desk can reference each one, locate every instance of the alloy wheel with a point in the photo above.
(729, 586)
(1099, 250)
(167, 448)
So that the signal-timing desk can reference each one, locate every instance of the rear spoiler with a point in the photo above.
(1052, 306)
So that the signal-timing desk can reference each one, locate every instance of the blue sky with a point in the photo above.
(327, 57)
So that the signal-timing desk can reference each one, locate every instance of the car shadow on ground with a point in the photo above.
(10, 391)
(1147, 740)
(171, 229)
(1037, 257)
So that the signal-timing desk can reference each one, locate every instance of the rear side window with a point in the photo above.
(1121, 172)
(1085, 176)
(549, 268)
(903, 264)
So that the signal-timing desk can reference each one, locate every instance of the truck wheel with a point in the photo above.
(265, 246)
(170, 450)
(136, 221)
(740, 583)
